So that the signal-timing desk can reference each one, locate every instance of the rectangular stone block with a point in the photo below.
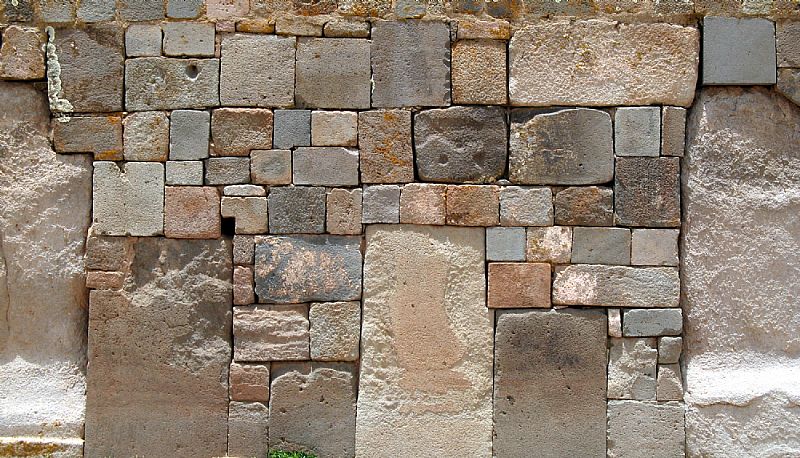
(141, 10)
(191, 212)
(601, 245)
(333, 73)
(616, 286)
(334, 128)
(249, 382)
(585, 206)
(182, 83)
(505, 244)
(645, 429)
(188, 134)
(519, 285)
(647, 192)
(292, 128)
(104, 280)
(335, 329)
(146, 136)
(227, 9)
(738, 51)
(669, 350)
(189, 39)
(669, 386)
(184, 173)
(184, 9)
(346, 28)
(243, 286)
(271, 166)
(325, 166)
(248, 429)
(632, 369)
(257, 71)
(270, 333)
(384, 140)
(637, 131)
(96, 10)
(654, 247)
(479, 72)
(614, 322)
(243, 249)
(22, 55)
(128, 200)
(473, 30)
(250, 213)
(143, 40)
(787, 37)
(652, 322)
(244, 190)
(470, 205)
(299, 210)
(381, 204)
(343, 211)
(237, 131)
(299, 26)
(524, 206)
(100, 135)
(549, 244)
(423, 203)
(227, 170)
(673, 131)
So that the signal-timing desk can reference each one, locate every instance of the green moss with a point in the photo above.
(283, 454)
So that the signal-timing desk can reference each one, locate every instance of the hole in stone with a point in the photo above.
(192, 71)
(228, 226)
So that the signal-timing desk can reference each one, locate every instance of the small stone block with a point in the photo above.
(384, 139)
(505, 244)
(227, 170)
(325, 166)
(243, 249)
(423, 203)
(473, 30)
(257, 71)
(188, 135)
(226, 9)
(787, 38)
(637, 428)
(519, 285)
(22, 56)
(673, 131)
(141, 10)
(57, 11)
(298, 210)
(255, 25)
(479, 72)
(381, 204)
(332, 73)
(292, 128)
(270, 333)
(669, 386)
(271, 167)
(249, 382)
(637, 131)
(299, 26)
(335, 330)
(344, 212)
(243, 292)
(250, 213)
(738, 51)
(523, 206)
(550, 244)
(128, 199)
(654, 247)
(601, 245)
(789, 84)
(184, 9)
(244, 190)
(191, 212)
(652, 322)
(237, 131)
(184, 173)
(632, 369)
(334, 128)
(181, 83)
(669, 350)
(146, 136)
(647, 191)
(97, 279)
(189, 39)
(471, 205)
(100, 135)
(96, 10)
(107, 253)
(614, 323)
(345, 28)
(585, 206)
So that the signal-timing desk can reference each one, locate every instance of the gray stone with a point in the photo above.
(645, 429)
(669, 350)
(738, 51)
(243, 249)
(189, 39)
(184, 173)
(670, 383)
(248, 428)
(141, 10)
(180, 83)
(568, 147)
(549, 244)
(601, 245)
(57, 11)
(787, 36)
(654, 247)
(333, 73)
(460, 144)
(632, 369)
(550, 383)
(789, 84)
(381, 204)
(344, 211)
(505, 244)
(100, 135)
(297, 210)
(143, 40)
(402, 76)
(257, 71)
(585, 206)
(146, 136)
(384, 141)
(237, 131)
(270, 333)
(524, 206)
(271, 166)
(325, 166)
(227, 170)
(250, 213)
(96, 10)
(19, 10)
(128, 200)
(346, 28)
(188, 134)
(405, 9)
(184, 9)
(673, 131)
(308, 268)
(637, 131)
(647, 191)
(617, 286)
(244, 190)
(292, 128)
(334, 128)
(335, 329)
(160, 346)
(652, 322)
(426, 370)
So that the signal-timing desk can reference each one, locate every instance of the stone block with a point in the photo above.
(585, 206)
(738, 51)
(249, 382)
(519, 285)
(248, 429)
(787, 37)
(673, 131)
(670, 383)
(243, 249)
(598, 63)
(617, 286)
(141, 10)
(333, 73)
(565, 147)
(538, 354)
(308, 269)
(669, 350)
(479, 72)
(447, 142)
(107, 253)
(549, 244)
(422, 203)
(470, 205)
(637, 131)
(524, 206)
(18, 11)
(143, 40)
(257, 71)
(244, 190)
(384, 140)
(22, 55)
(237, 131)
(789, 84)
(100, 135)
(299, 26)
(475, 30)
(335, 330)
(191, 212)
(227, 170)
(189, 39)
(57, 11)
(402, 76)
(270, 333)
(505, 244)
(182, 83)
(654, 247)
(614, 323)
(381, 204)
(292, 128)
(227, 9)
(652, 322)
(601, 245)
(645, 429)
(647, 192)
(250, 214)
(325, 166)
(271, 167)
(346, 28)
(334, 128)
(104, 280)
(128, 200)
(243, 292)
(297, 210)
(632, 369)
(184, 9)
(343, 211)
(184, 173)
(146, 136)
(188, 135)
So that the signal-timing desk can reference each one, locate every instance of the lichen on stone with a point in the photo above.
(58, 106)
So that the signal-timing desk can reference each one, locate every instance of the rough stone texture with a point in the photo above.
(567, 147)
(244, 190)
(505, 244)
(670, 385)
(107, 253)
(243, 249)
(297, 210)
(585, 206)
(188, 134)
(654, 247)
(333, 73)
(617, 286)
(270, 333)
(21, 56)
(128, 200)
(335, 328)
(384, 140)
(410, 64)
(473, 205)
(325, 166)
(645, 429)
(188, 39)
(162, 346)
(632, 369)
(146, 136)
(307, 268)
(550, 383)
(141, 10)
(738, 51)
(249, 382)
(473, 30)
(789, 84)
(669, 349)
(652, 322)
(314, 410)
(343, 211)
(422, 203)
(519, 285)
(599, 63)
(250, 213)
(243, 293)
(614, 322)
(460, 144)
(345, 28)
(479, 72)
(549, 244)
(334, 128)
(96, 10)
(271, 166)
(292, 128)
(787, 35)
(236, 131)
(426, 362)
(637, 131)
(182, 83)
(673, 131)
(100, 135)
(184, 173)
(227, 170)
(523, 206)
(191, 212)
(184, 9)
(226, 9)
(257, 71)
(143, 40)
(301, 26)
(647, 192)
(381, 204)
(248, 429)
(601, 245)
(104, 280)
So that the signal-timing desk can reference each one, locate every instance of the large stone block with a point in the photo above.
(426, 363)
(647, 191)
(384, 140)
(645, 429)
(161, 83)
(616, 286)
(333, 73)
(601, 63)
(738, 51)
(270, 333)
(550, 383)
(128, 200)
(257, 71)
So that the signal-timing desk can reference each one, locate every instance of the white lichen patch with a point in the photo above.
(57, 104)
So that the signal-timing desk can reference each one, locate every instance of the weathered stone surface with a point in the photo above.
(100, 135)
(248, 429)
(184, 9)
(307, 268)
(188, 134)
(104, 280)
(128, 200)
(270, 333)
(652, 322)
(384, 141)
(568, 147)
(249, 382)
(632, 369)
(300, 26)
(519, 285)
(325, 166)
(599, 63)
(673, 131)
(669, 349)
(422, 203)
(381, 204)
(479, 72)
(460, 144)
(343, 211)
(549, 244)
(505, 244)
(473, 205)
(143, 40)
(539, 354)
(181, 83)
(184, 173)
(474, 30)
(297, 210)
(333, 73)
(647, 192)
(617, 286)
(314, 410)
(585, 206)
(243, 293)
(146, 136)
(161, 346)
(601, 245)
(426, 362)
(22, 56)
(654, 247)
(271, 166)
(236, 131)
(670, 383)
(524, 206)
(244, 249)
(789, 84)
(334, 128)
(738, 51)
(787, 37)
(191, 212)
(107, 253)
(637, 131)
(614, 322)
(227, 9)
(292, 128)
(56, 11)
(335, 328)
(227, 170)
(141, 10)
(639, 429)
(346, 28)
(257, 71)
(244, 190)
(402, 75)
(250, 213)
(96, 10)
(189, 39)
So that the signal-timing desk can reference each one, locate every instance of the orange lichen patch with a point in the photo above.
(256, 26)
(108, 155)
(25, 448)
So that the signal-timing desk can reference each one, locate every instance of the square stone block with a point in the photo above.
(524, 206)
(146, 136)
(738, 51)
(470, 205)
(647, 191)
(22, 55)
(479, 72)
(128, 200)
(333, 73)
(257, 70)
(646, 429)
(143, 40)
(637, 131)
(250, 213)
(100, 135)
(654, 247)
(505, 243)
(271, 166)
(519, 285)
(384, 141)
(381, 204)
(299, 210)
(191, 212)
(549, 244)
(188, 135)
(270, 333)
(292, 128)
(249, 382)
(423, 203)
(601, 245)
(335, 330)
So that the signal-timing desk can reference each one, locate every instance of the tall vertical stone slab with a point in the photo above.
(550, 383)
(159, 352)
(426, 364)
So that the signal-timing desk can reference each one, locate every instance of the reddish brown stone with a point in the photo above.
(384, 138)
(237, 131)
(21, 57)
(519, 285)
(472, 205)
(243, 292)
(423, 203)
(100, 135)
(104, 280)
(191, 212)
(585, 206)
(249, 382)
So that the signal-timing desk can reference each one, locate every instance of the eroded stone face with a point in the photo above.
(616, 286)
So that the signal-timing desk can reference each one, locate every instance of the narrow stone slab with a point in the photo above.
(426, 364)
(617, 286)
(550, 383)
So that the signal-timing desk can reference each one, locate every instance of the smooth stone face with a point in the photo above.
(141, 10)
(632, 369)
(182, 83)
(128, 200)
(601, 245)
(647, 191)
(161, 346)
(381, 204)
(96, 10)
(143, 40)
(146, 136)
(585, 206)
(333, 73)
(297, 210)
(460, 144)
(537, 355)
(505, 244)
(257, 71)
(566, 147)
(524, 206)
(334, 128)
(325, 166)
(384, 141)
(549, 244)
(270, 333)
(637, 131)
(248, 429)
(654, 247)
(426, 363)
(237, 131)
(616, 286)
(652, 322)
(335, 328)
(738, 51)
(598, 63)
(188, 134)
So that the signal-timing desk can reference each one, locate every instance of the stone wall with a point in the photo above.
(361, 228)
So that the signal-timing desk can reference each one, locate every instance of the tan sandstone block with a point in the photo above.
(334, 128)
(243, 292)
(519, 285)
(249, 382)
(270, 333)
(191, 212)
(335, 329)
(343, 215)
(422, 203)
(97, 279)
(473, 205)
(479, 72)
